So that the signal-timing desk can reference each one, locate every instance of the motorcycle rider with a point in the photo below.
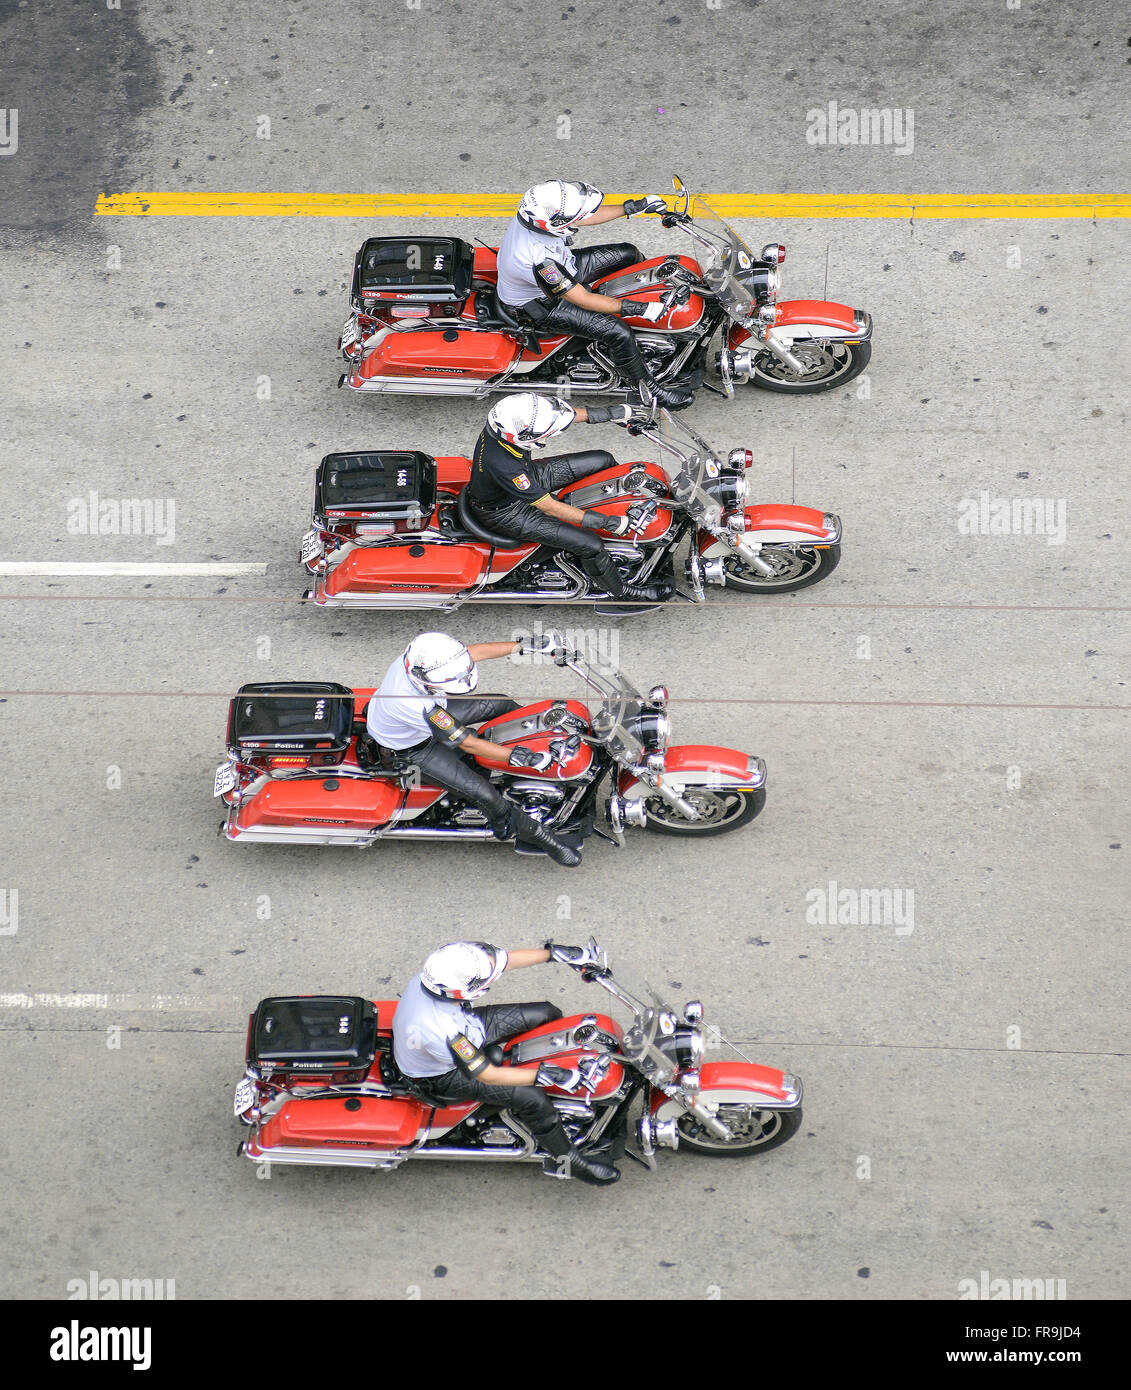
(513, 495)
(414, 716)
(545, 284)
(445, 1048)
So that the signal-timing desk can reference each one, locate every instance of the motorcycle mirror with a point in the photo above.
(677, 183)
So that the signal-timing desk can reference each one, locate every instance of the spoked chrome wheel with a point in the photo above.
(720, 811)
(827, 364)
(793, 569)
(753, 1131)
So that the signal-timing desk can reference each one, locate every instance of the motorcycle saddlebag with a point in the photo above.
(434, 271)
(359, 1122)
(302, 720)
(375, 493)
(445, 569)
(432, 356)
(319, 1034)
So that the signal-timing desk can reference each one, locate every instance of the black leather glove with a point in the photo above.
(564, 1078)
(651, 202)
(577, 956)
(641, 309)
(609, 414)
(598, 521)
(531, 758)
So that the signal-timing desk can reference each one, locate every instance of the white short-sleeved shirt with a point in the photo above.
(399, 719)
(422, 1026)
(521, 250)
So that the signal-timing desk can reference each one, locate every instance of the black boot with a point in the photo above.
(603, 571)
(569, 1162)
(672, 397)
(533, 832)
(627, 357)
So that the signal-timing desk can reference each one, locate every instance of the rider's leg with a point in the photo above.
(593, 262)
(534, 1109)
(443, 765)
(527, 523)
(503, 1021)
(559, 470)
(616, 338)
(472, 710)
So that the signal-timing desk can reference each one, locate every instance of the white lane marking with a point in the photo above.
(112, 567)
(149, 1003)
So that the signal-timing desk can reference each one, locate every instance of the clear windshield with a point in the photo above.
(689, 463)
(621, 704)
(723, 254)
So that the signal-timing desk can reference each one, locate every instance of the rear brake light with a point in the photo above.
(286, 762)
(409, 311)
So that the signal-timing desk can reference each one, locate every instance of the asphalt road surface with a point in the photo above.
(945, 717)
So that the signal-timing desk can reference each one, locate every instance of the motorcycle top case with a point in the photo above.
(396, 489)
(416, 270)
(316, 1034)
(301, 718)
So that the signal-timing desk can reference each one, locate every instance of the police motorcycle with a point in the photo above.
(321, 1087)
(425, 320)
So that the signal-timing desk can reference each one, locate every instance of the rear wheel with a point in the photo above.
(754, 1131)
(793, 569)
(829, 365)
(721, 811)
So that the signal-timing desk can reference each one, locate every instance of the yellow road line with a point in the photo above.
(771, 205)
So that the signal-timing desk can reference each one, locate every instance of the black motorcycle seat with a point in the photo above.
(492, 312)
(469, 520)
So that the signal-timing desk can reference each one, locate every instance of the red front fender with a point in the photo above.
(734, 1076)
(823, 313)
(782, 516)
(726, 766)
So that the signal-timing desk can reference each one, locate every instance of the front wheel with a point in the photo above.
(721, 811)
(793, 569)
(753, 1131)
(828, 365)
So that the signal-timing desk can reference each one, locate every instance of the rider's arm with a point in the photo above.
(609, 211)
(527, 955)
(471, 1060)
(447, 730)
(487, 651)
(586, 299)
(561, 511)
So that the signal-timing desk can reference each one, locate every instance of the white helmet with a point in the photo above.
(526, 419)
(440, 665)
(463, 969)
(556, 208)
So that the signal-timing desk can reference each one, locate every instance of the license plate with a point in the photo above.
(245, 1096)
(311, 547)
(227, 775)
(349, 333)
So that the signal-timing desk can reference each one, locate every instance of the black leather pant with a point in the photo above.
(529, 1103)
(446, 766)
(525, 522)
(612, 333)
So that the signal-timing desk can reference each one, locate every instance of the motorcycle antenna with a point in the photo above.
(793, 484)
(825, 291)
(482, 243)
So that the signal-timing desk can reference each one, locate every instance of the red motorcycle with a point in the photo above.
(392, 530)
(301, 770)
(425, 320)
(322, 1088)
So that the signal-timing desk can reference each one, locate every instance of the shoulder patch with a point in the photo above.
(442, 719)
(551, 272)
(464, 1048)
(521, 481)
